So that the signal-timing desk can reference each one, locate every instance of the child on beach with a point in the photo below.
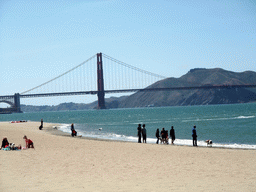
(29, 143)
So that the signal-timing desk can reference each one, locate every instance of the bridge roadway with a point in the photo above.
(128, 90)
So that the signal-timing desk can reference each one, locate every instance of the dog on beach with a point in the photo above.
(208, 142)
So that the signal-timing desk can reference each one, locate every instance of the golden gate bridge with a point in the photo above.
(88, 78)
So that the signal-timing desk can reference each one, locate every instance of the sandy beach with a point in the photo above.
(60, 162)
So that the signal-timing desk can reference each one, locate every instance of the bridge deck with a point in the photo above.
(128, 90)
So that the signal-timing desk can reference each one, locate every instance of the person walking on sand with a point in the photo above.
(144, 133)
(29, 143)
(194, 136)
(172, 135)
(157, 136)
(139, 133)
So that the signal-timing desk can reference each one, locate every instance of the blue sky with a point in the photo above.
(41, 39)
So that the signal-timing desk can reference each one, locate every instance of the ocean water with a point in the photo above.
(229, 126)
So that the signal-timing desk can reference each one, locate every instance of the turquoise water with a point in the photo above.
(226, 125)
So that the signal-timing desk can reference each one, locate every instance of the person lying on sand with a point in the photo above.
(9, 146)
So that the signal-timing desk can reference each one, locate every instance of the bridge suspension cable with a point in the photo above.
(132, 67)
(59, 75)
(117, 76)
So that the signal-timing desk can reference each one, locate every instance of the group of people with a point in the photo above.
(11, 146)
(163, 135)
(142, 132)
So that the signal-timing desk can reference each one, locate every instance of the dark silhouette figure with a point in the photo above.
(139, 133)
(157, 136)
(194, 136)
(5, 143)
(41, 126)
(144, 133)
(166, 137)
(172, 134)
(163, 135)
(73, 131)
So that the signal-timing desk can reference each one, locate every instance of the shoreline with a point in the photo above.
(49, 129)
(62, 133)
(60, 162)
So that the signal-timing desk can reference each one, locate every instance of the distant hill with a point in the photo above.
(195, 77)
(60, 107)
(110, 103)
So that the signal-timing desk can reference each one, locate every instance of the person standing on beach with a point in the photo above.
(73, 132)
(139, 133)
(172, 134)
(41, 126)
(194, 136)
(166, 137)
(163, 135)
(144, 133)
(157, 136)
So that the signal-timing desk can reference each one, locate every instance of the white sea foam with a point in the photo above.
(188, 142)
(64, 128)
(244, 117)
(219, 119)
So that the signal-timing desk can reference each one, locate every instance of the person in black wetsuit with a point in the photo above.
(172, 134)
(139, 133)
